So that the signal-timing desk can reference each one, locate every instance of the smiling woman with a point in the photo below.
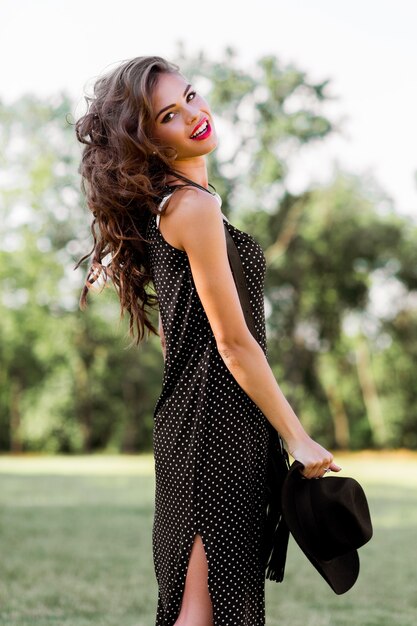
(188, 122)
(126, 166)
(203, 128)
(147, 135)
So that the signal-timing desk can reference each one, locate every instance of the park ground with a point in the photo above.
(75, 537)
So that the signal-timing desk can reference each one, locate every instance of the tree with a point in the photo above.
(68, 381)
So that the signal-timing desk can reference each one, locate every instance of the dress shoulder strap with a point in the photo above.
(172, 189)
(161, 205)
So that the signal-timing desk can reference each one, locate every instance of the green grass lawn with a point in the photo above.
(75, 538)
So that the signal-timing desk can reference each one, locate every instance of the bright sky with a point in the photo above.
(367, 48)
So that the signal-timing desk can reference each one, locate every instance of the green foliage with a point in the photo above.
(340, 345)
(68, 383)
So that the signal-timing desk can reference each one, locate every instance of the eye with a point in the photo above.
(168, 119)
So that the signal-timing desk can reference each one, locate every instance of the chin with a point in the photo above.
(208, 147)
(212, 148)
(188, 154)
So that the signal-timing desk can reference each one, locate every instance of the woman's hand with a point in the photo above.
(313, 456)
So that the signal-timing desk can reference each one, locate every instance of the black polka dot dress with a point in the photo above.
(210, 446)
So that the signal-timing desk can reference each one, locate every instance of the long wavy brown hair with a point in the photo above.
(123, 172)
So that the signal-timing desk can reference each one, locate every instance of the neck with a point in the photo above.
(195, 169)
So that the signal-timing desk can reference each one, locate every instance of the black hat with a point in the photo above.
(329, 519)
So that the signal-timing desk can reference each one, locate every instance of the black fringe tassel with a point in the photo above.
(276, 529)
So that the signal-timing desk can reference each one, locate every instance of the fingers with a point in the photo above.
(334, 467)
(317, 461)
(320, 468)
(313, 470)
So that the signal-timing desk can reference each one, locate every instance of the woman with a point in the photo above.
(147, 133)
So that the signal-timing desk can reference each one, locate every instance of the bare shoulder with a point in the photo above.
(186, 202)
(189, 213)
(199, 228)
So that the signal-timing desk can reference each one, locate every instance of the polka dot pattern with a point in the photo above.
(210, 447)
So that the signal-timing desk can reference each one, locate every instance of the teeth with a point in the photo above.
(201, 130)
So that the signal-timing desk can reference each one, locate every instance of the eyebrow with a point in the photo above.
(172, 105)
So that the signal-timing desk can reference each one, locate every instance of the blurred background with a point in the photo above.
(314, 103)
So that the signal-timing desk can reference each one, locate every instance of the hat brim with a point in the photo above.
(341, 572)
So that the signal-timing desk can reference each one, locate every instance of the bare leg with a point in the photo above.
(196, 607)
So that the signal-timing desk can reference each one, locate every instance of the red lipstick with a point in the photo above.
(203, 135)
(199, 124)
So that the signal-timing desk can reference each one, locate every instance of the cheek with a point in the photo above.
(161, 132)
(203, 103)
(169, 131)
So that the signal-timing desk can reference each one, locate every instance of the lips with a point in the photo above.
(205, 131)
(198, 125)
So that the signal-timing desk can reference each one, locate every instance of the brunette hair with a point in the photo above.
(123, 172)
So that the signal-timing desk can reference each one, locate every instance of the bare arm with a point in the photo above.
(199, 220)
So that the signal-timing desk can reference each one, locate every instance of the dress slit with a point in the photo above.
(189, 563)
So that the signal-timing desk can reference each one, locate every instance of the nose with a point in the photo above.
(192, 114)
